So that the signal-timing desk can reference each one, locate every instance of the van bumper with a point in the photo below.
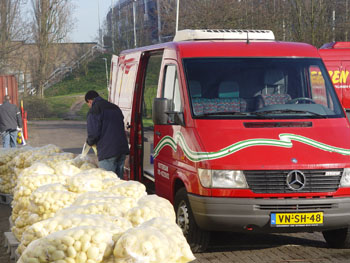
(253, 215)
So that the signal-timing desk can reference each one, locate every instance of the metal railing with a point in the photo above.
(61, 72)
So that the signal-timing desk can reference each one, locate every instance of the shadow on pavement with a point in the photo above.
(227, 241)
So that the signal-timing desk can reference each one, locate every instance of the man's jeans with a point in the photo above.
(114, 164)
(9, 139)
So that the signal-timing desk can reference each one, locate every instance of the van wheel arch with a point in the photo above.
(197, 238)
(337, 238)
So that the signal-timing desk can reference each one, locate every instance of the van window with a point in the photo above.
(255, 88)
(171, 90)
(319, 91)
(127, 84)
(118, 85)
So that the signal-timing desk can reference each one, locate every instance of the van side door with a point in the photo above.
(167, 159)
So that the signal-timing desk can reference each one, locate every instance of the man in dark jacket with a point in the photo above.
(10, 119)
(105, 128)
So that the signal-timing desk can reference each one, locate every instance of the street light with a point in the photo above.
(134, 18)
(177, 15)
(99, 25)
(106, 72)
(112, 24)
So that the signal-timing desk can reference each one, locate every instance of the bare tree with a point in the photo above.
(311, 21)
(51, 24)
(11, 31)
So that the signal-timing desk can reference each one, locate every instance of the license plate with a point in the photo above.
(296, 219)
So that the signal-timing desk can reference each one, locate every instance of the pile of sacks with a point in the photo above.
(14, 160)
(66, 210)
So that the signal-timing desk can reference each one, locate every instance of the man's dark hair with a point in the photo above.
(90, 95)
(7, 98)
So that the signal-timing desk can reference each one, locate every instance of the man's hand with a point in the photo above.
(89, 142)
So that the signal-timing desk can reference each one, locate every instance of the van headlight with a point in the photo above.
(345, 178)
(222, 178)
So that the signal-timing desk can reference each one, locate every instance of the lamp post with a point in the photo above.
(177, 15)
(134, 18)
(99, 25)
(159, 22)
(112, 24)
(106, 72)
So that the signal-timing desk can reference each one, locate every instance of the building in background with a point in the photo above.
(133, 23)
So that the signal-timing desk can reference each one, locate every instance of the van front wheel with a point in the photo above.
(337, 238)
(197, 238)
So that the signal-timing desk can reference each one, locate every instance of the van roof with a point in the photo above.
(233, 34)
(243, 49)
(336, 45)
(335, 51)
(234, 48)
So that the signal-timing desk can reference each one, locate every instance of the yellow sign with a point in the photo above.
(290, 219)
(339, 76)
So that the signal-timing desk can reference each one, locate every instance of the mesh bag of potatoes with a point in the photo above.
(81, 183)
(31, 154)
(6, 169)
(50, 198)
(100, 208)
(109, 182)
(6, 185)
(44, 202)
(89, 180)
(26, 185)
(151, 206)
(114, 205)
(40, 153)
(132, 189)
(90, 244)
(98, 172)
(20, 223)
(66, 167)
(156, 240)
(63, 222)
(7, 154)
(51, 160)
(25, 220)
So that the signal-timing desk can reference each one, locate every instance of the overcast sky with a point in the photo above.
(86, 16)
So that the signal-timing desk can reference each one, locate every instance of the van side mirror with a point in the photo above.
(162, 114)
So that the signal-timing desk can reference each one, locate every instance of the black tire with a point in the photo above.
(197, 238)
(337, 238)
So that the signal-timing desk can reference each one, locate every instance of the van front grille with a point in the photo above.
(275, 181)
(297, 207)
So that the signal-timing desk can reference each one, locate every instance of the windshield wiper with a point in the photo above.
(223, 113)
(267, 112)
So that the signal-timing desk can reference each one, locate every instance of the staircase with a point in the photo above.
(61, 72)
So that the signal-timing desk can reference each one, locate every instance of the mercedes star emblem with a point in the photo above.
(296, 180)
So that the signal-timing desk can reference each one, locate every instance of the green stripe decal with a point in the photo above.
(285, 141)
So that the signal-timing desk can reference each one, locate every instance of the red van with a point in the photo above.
(240, 132)
(336, 56)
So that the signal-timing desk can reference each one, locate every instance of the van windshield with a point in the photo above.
(255, 88)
